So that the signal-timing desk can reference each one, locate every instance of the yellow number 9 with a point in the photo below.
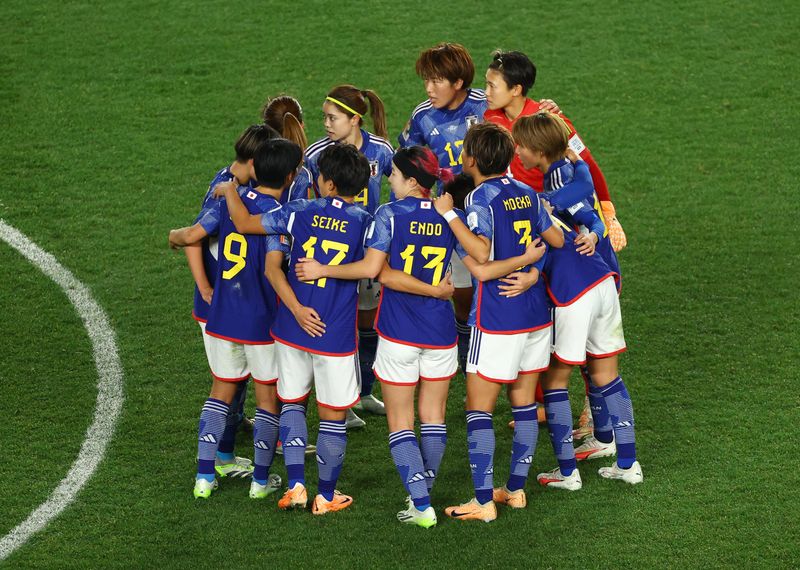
(238, 259)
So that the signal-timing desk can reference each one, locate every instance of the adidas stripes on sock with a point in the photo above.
(526, 431)
(480, 438)
(408, 459)
(265, 437)
(559, 423)
(432, 443)
(212, 425)
(620, 409)
(294, 435)
(331, 446)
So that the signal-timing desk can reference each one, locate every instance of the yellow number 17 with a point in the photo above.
(327, 245)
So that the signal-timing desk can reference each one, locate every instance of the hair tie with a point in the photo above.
(343, 106)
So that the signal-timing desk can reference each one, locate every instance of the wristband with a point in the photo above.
(449, 216)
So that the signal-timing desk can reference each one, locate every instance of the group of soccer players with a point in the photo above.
(303, 280)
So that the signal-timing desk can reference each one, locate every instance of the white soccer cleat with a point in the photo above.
(311, 449)
(240, 467)
(372, 405)
(353, 421)
(263, 491)
(203, 488)
(556, 480)
(591, 448)
(412, 515)
(632, 475)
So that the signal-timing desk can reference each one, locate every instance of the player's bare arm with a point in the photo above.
(496, 269)
(186, 236)
(405, 283)
(244, 222)
(476, 246)
(306, 317)
(194, 257)
(308, 269)
(554, 236)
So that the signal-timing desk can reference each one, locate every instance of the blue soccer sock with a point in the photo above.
(620, 409)
(367, 346)
(526, 432)
(480, 438)
(408, 459)
(331, 445)
(232, 422)
(265, 437)
(294, 435)
(464, 331)
(212, 424)
(432, 442)
(603, 431)
(559, 423)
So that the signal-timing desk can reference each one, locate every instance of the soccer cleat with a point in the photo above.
(240, 467)
(258, 491)
(353, 421)
(591, 448)
(412, 515)
(203, 488)
(473, 511)
(339, 502)
(371, 404)
(585, 423)
(310, 448)
(514, 499)
(632, 475)
(294, 497)
(556, 480)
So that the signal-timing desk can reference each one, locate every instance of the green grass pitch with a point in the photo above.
(115, 116)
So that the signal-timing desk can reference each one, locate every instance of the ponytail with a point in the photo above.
(284, 114)
(293, 130)
(377, 112)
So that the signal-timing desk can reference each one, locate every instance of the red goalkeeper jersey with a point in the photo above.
(534, 177)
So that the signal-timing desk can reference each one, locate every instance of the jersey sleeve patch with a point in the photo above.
(576, 144)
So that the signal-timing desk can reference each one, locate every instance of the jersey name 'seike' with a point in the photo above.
(419, 242)
(443, 130)
(244, 303)
(510, 215)
(209, 246)
(330, 231)
(569, 274)
(379, 153)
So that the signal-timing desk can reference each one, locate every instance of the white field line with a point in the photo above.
(110, 395)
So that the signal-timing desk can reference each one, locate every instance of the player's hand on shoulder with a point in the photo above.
(550, 106)
(308, 269)
(309, 321)
(443, 203)
(518, 282)
(445, 288)
(586, 243)
(572, 156)
(219, 189)
(535, 251)
(547, 206)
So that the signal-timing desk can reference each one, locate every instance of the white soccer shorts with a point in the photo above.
(462, 279)
(503, 357)
(334, 378)
(591, 326)
(233, 362)
(369, 292)
(403, 364)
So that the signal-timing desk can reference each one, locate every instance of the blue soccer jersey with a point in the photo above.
(419, 242)
(209, 246)
(379, 153)
(332, 232)
(301, 188)
(244, 304)
(510, 215)
(586, 213)
(443, 130)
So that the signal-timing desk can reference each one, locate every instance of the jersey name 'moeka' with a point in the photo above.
(517, 203)
(326, 223)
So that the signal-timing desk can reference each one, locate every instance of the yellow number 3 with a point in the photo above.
(238, 259)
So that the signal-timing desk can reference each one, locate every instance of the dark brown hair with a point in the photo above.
(357, 100)
(491, 146)
(284, 114)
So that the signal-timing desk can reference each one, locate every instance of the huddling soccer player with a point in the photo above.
(243, 307)
(344, 110)
(581, 282)
(510, 340)
(315, 325)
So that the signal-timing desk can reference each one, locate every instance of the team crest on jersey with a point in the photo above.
(425, 205)
(373, 168)
(471, 120)
(251, 194)
(337, 203)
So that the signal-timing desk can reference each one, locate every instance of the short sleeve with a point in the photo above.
(412, 134)
(210, 218)
(479, 219)
(277, 243)
(379, 233)
(275, 221)
(542, 219)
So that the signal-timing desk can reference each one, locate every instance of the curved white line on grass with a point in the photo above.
(109, 390)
